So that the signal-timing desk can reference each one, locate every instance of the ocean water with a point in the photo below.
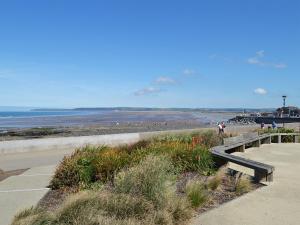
(27, 119)
(28, 114)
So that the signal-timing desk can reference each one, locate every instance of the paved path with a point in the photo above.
(23, 191)
(275, 204)
(14, 161)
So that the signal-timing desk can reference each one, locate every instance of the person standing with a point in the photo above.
(220, 128)
(223, 127)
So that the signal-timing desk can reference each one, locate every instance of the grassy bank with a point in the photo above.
(160, 181)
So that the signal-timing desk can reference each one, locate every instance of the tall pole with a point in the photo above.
(284, 98)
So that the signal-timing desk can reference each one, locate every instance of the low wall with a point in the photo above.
(69, 143)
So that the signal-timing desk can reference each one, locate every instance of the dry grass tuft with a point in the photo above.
(242, 184)
(216, 181)
(197, 193)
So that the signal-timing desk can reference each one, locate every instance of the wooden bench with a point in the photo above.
(222, 154)
(243, 141)
(262, 172)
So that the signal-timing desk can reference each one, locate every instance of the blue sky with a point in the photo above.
(60, 53)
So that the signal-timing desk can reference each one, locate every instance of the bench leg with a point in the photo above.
(262, 176)
(267, 140)
(241, 148)
(256, 144)
(279, 139)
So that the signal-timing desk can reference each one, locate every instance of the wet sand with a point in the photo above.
(107, 123)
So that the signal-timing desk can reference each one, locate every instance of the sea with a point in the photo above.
(27, 114)
(28, 119)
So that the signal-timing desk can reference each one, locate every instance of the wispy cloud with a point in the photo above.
(280, 65)
(258, 59)
(260, 53)
(260, 91)
(147, 91)
(165, 80)
(188, 72)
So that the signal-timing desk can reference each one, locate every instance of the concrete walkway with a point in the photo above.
(275, 204)
(14, 161)
(23, 191)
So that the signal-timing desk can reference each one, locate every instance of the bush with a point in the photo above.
(184, 157)
(196, 193)
(142, 195)
(88, 165)
(100, 164)
(147, 179)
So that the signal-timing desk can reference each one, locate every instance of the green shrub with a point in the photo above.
(100, 164)
(196, 193)
(110, 162)
(88, 165)
(184, 157)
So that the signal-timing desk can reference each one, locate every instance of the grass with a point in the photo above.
(216, 180)
(147, 179)
(242, 185)
(88, 165)
(143, 194)
(197, 193)
(133, 184)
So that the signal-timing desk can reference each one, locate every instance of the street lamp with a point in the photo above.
(284, 97)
